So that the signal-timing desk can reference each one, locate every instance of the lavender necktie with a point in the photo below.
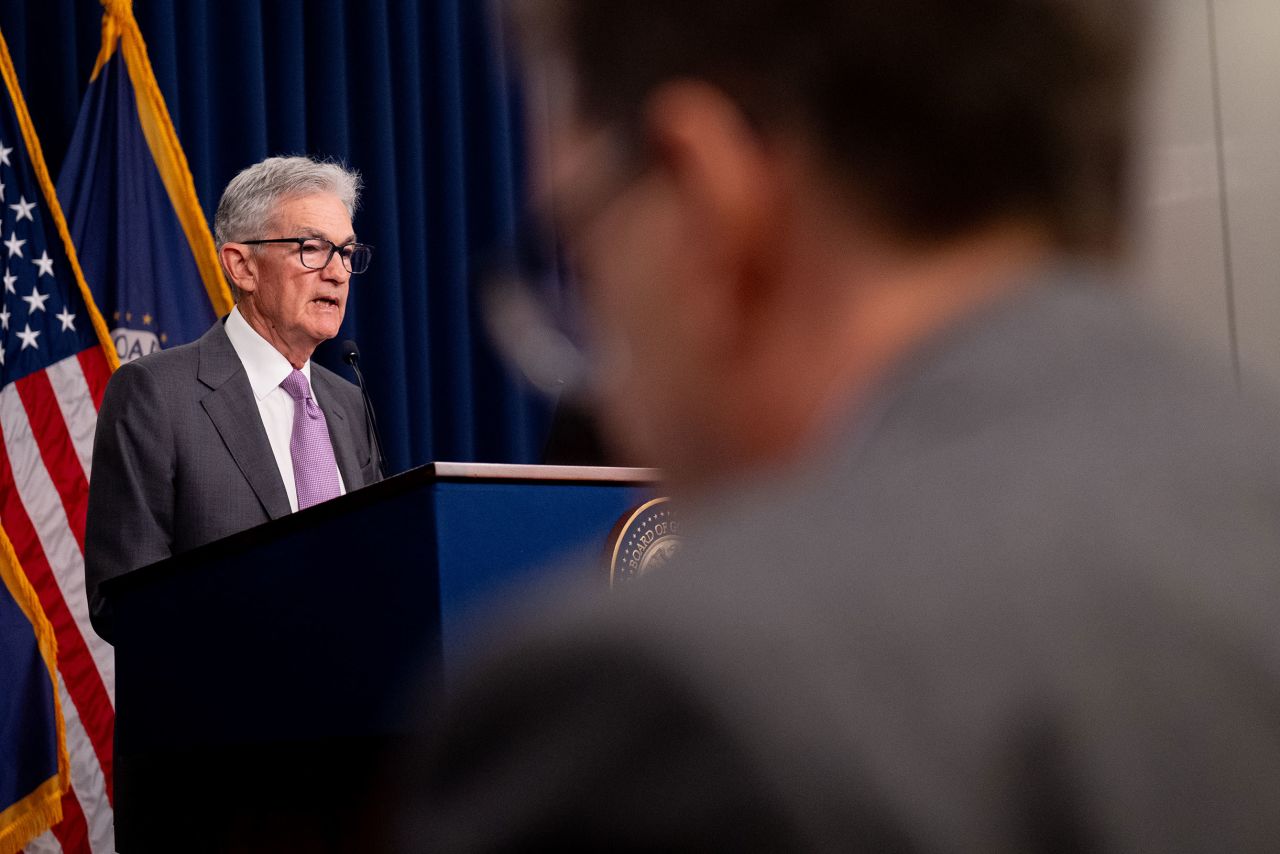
(315, 473)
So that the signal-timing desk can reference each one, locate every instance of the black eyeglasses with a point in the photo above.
(316, 252)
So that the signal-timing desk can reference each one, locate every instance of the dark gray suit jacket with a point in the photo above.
(181, 458)
(1031, 602)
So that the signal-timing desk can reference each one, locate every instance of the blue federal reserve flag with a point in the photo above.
(142, 238)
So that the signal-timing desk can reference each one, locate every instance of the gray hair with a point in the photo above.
(250, 200)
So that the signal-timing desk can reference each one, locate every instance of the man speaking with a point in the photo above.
(239, 427)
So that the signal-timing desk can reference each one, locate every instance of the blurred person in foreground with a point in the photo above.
(979, 559)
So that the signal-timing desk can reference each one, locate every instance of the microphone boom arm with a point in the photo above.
(351, 355)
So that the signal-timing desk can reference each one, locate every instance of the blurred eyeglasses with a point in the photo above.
(531, 299)
(532, 317)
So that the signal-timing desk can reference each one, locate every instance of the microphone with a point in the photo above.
(351, 355)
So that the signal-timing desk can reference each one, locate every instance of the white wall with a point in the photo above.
(1209, 177)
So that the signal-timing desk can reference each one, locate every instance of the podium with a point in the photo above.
(263, 679)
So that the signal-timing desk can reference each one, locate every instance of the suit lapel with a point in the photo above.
(344, 449)
(234, 413)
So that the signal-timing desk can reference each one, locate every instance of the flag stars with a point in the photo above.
(4, 318)
(1, 200)
(9, 280)
(29, 336)
(35, 301)
(45, 263)
(15, 245)
(4, 154)
(68, 320)
(23, 209)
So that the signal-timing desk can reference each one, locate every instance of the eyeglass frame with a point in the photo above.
(529, 334)
(333, 250)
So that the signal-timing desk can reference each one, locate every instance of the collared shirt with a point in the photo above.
(266, 368)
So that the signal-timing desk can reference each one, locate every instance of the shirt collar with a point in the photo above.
(265, 366)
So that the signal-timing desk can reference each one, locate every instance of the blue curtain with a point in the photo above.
(414, 94)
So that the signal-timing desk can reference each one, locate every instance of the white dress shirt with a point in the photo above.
(266, 369)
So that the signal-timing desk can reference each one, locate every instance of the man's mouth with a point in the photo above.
(326, 301)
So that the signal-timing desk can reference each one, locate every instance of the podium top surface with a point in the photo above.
(582, 474)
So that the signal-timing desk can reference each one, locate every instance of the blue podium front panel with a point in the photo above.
(495, 539)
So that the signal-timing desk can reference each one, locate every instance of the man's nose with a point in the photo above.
(335, 270)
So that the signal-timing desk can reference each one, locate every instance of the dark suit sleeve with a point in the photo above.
(130, 517)
(584, 747)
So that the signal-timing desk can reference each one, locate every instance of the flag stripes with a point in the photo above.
(75, 665)
(57, 452)
(96, 372)
(88, 785)
(42, 498)
(76, 404)
(49, 843)
(91, 688)
(72, 833)
(42, 509)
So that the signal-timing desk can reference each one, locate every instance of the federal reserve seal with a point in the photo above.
(644, 539)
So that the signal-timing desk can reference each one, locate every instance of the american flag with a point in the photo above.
(54, 366)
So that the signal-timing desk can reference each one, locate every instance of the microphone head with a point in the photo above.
(350, 352)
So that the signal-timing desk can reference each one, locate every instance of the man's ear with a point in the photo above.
(241, 266)
(726, 179)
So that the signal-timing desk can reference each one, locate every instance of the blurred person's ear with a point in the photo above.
(724, 178)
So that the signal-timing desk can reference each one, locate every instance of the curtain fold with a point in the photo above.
(410, 92)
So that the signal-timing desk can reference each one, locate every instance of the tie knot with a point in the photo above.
(297, 386)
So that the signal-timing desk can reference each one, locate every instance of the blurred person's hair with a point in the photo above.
(940, 116)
